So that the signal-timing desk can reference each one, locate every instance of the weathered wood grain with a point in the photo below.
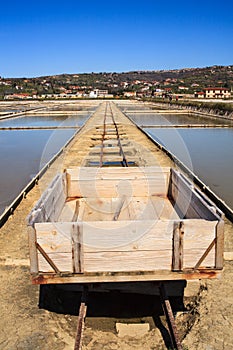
(188, 200)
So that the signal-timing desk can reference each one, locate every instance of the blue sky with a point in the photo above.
(53, 37)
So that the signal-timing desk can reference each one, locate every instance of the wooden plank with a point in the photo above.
(164, 209)
(188, 201)
(142, 209)
(76, 211)
(120, 261)
(47, 258)
(118, 187)
(203, 257)
(160, 275)
(125, 235)
(146, 241)
(100, 209)
(177, 250)
(90, 173)
(80, 326)
(51, 203)
(69, 209)
(63, 261)
(119, 207)
(34, 268)
(77, 248)
(170, 319)
(197, 238)
(219, 246)
(127, 261)
(115, 236)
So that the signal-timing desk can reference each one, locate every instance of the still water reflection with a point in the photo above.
(63, 120)
(208, 152)
(175, 119)
(21, 154)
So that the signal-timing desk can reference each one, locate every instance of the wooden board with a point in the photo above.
(188, 201)
(126, 246)
(50, 205)
(134, 208)
(86, 173)
(117, 187)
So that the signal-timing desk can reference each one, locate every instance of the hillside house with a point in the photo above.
(214, 93)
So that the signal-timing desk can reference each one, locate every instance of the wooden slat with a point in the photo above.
(47, 258)
(160, 275)
(148, 244)
(198, 234)
(90, 173)
(127, 261)
(80, 326)
(170, 319)
(51, 203)
(63, 262)
(118, 187)
(177, 251)
(164, 209)
(203, 257)
(77, 248)
(188, 201)
(76, 211)
(34, 268)
(133, 261)
(219, 246)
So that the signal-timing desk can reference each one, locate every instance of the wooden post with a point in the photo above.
(170, 318)
(34, 267)
(178, 246)
(76, 211)
(81, 320)
(219, 246)
(77, 247)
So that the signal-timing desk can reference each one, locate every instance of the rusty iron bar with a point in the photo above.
(81, 320)
(124, 160)
(103, 136)
(170, 318)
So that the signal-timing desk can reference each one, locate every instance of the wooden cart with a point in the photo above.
(124, 224)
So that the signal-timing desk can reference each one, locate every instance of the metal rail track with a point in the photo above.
(172, 329)
(108, 114)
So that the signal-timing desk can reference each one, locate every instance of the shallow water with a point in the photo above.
(46, 120)
(207, 152)
(23, 154)
(142, 119)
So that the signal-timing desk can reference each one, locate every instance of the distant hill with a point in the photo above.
(186, 80)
